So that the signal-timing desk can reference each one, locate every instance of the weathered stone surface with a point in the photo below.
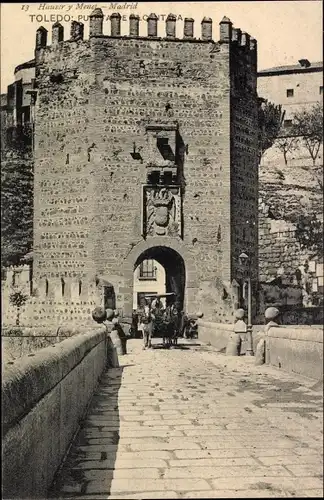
(239, 314)
(260, 353)
(242, 429)
(44, 397)
(271, 313)
(234, 345)
(297, 350)
(215, 334)
(26, 382)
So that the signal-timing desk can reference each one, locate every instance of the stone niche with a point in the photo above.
(161, 164)
(161, 211)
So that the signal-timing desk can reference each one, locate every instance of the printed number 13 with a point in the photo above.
(25, 7)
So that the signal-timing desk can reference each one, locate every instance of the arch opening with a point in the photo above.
(159, 270)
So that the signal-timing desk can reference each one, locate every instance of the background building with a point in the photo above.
(16, 105)
(149, 278)
(295, 87)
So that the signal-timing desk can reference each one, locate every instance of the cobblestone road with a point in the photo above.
(193, 423)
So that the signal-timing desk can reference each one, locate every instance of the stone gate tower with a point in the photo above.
(145, 147)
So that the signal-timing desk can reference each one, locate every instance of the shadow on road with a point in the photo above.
(181, 346)
(92, 456)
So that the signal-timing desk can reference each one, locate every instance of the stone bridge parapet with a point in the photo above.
(296, 349)
(43, 399)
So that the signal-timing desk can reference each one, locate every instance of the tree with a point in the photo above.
(308, 126)
(309, 233)
(16, 207)
(270, 118)
(286, 143)
(18, 300)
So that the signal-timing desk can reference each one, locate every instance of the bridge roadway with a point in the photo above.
(192, 423)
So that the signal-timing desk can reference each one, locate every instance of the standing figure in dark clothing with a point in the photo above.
(146, 324)
(176, 323)
(167, 327)
(134, 325)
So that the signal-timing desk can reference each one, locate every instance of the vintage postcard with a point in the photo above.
(162, 249)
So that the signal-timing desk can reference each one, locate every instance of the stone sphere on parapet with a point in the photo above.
(200, 314)
(271, 313)
(99, 314)
(239, 314)
(110, 314)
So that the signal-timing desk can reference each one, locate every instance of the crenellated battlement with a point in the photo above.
(46, 297)
(227, 34)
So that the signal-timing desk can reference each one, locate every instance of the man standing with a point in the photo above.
(176, 321)
(146, 324)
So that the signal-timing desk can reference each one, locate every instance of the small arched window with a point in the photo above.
(80, 287)
(63, 286)
(46, 287)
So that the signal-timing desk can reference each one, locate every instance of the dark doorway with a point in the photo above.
(109, 297)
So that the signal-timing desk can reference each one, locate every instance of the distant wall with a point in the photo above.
(296, 350)
(52, 301)
(43, 399)
(296, 272)
(279, 253)
(301, 315)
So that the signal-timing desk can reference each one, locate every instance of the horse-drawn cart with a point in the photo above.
(166, 318)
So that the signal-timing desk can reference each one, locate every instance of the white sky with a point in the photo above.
(286, 31)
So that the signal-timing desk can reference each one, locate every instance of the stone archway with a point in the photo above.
(178, 263)
(174, 267)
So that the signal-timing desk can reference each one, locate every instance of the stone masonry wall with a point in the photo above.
(95, 99)
(46, 304)
(244, 157)
(279, 252)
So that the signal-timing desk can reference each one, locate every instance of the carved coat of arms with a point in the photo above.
(162, 211)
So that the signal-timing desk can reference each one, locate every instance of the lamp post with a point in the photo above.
(244, 260)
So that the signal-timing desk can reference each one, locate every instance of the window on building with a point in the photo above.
(290, 92)
(25, 114)
(321, 90)
(11, 91)
(315, 285)
(148, 269)
(287, 123)
(109, 297)
(30, 278)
